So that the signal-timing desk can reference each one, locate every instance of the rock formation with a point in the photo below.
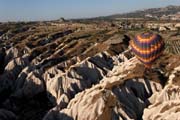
(81, 71)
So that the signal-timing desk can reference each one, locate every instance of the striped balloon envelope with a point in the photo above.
(147, 47)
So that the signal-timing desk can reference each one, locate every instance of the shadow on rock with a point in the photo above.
(55, 115)
(133, 95)
(7, 115)
(30, 101)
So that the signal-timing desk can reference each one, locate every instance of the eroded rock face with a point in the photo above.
(79, 77)
(165, 104)
(117, 96)
(125, 92)
(86, 72)
(11, 54)
(11, 72)
(43, 70)
(7, 115)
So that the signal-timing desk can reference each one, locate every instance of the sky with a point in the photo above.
(31, 10)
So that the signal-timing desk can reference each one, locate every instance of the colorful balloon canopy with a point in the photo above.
(147, 47)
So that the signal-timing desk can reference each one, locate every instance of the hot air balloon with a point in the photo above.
(147, 47)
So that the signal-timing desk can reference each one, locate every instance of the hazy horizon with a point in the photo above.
(34, 10)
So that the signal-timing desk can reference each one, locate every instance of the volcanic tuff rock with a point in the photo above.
(81, 71)
(7, 115)
(165, 103)
(124, 94)
(42, 67)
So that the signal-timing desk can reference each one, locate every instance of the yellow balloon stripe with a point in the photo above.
(144, 40)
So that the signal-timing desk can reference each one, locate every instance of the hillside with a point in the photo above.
(154, 12)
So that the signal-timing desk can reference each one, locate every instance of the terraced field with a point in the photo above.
(173, 44)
